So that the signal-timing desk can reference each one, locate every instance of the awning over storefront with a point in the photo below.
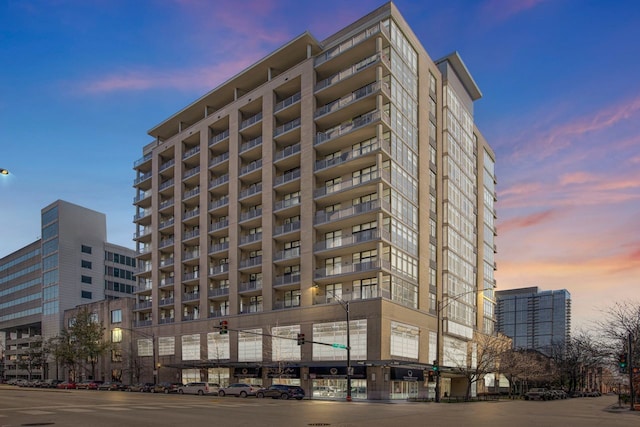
(407, 374)
(336, 372)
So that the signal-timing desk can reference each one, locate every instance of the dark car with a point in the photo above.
(50, 383)
(111, 386)
(166, 388)
(141, 387)
(281, 391)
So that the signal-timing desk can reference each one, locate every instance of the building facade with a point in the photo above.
(71, 264)
(347, 170)
(535, 319)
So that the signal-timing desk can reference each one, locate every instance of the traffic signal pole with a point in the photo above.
(630, 360)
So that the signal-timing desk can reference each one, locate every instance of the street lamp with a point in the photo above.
(4, 171)
(345, 306)
(437, 363)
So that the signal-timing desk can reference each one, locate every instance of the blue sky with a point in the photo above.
(81, 83)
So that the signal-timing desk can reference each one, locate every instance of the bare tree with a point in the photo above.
(483, 357)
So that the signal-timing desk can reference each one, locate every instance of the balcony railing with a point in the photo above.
(245, 146)
(251, 262)
(356, 267)
(219, 181)
(251, 167)
(253, 189)
(350, 126)
(288, 151)
(166, 242)
(250, 238)
(351, 71)
(218, 225)
(346, 100)
(251, 120)
(250, 214)
(287, 279)
(191, 172)
(191, 193)
(219, 159)
(351, 183)
(353, 154)
(287, 102)
(191, 276)
(166, 203)
(166, 184)
(287, 177)
(218, 247)
(167, 164)
(190, 296)
(287, 254)
(348, 44)
(167, 223)
(250, 286)
(287, 228)
(190, 214)
(142, 178)
(216, 292)
(287, 127)
(218, 269)
(142, 160)
(222, 201)
(361, 237)
(219, 137)
(190, 152)
(287, 203)
(191, 234)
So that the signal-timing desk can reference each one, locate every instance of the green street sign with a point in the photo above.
(338, 346)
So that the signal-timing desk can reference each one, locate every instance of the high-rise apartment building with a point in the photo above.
(343, 171)
(71, 264)
(535, 319)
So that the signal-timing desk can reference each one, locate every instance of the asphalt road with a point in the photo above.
(36, 407)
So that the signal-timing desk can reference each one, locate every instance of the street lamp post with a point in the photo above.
(345, 306)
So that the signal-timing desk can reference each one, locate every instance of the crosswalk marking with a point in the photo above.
(76, 410)
(36, 412)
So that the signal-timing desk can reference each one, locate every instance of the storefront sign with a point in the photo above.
(283, 372)
(337, 372)
(407, 374)
(247, 372)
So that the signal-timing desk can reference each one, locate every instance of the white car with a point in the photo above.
(239, 389)
(199, 388)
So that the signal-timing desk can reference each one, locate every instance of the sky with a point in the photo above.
(83, 81)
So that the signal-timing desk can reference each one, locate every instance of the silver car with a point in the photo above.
(239, 389)
(199, 388)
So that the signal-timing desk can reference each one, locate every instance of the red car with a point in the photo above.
(89, 384)
(67, 385)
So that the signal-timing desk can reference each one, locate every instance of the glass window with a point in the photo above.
(86, 249)
(85, 279)
(250, 345)
(86, 295)
(191, 347)
(116, 335)
(116, 316)
(283, 343)
(218, 347)
(85, 264)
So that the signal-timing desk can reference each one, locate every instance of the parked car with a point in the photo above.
(50, 383)
(111, 386)
(239, 389)
(166, 388)
(88, 384)
(558, 394)
(67, 385)
(537, 394)
(281, 391)
(199, 388)
(141, 387)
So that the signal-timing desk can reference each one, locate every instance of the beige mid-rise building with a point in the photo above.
(333, 179)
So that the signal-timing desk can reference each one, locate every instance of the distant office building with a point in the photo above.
(343, 170)
(71, 264)
(534, 319)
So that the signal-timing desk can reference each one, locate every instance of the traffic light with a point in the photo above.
(224, 327)
(622, 361)
(300, 339)
(436, 368)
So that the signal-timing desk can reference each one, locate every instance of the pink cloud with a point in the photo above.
(526, 221)
(548, 142)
